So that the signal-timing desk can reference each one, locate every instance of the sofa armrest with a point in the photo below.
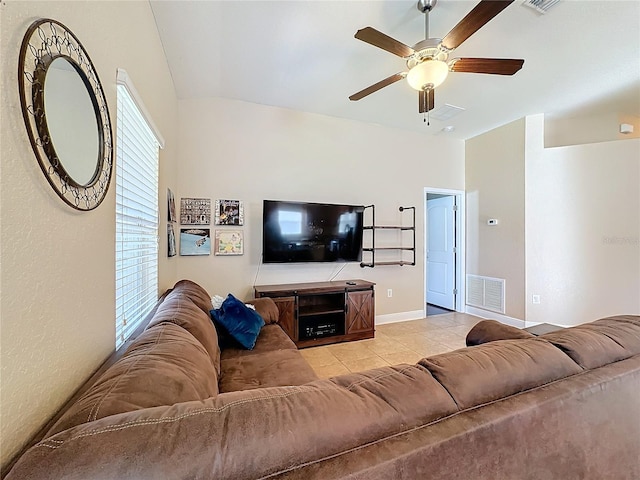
(491, 330)
(267, 309)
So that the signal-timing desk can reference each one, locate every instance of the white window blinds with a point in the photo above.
(137, 150)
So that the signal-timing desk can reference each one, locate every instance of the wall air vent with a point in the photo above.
(485, 292)
(541, 6)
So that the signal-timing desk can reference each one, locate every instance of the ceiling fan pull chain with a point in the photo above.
(425, 109)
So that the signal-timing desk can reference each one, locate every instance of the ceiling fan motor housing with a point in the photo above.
(428, 49)
(426, 5)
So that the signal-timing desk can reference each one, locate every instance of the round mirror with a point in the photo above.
(66, 114)
(71, 119)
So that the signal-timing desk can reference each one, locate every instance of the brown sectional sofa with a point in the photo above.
(565, 405)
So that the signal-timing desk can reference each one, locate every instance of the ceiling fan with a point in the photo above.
(428, 60)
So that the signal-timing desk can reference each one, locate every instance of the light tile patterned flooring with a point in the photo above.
(402, 342)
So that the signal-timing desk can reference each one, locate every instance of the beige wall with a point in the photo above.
(588, 129)
(583, 229)
(495, 182)
(57, 271)
(236, 150)
(569, 221)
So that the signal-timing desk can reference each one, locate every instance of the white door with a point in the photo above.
(441, 251)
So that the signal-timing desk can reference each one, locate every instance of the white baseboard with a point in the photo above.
(478, 312)
(533, 324)
(399, 317)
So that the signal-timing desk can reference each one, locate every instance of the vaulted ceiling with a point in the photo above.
(581, 58)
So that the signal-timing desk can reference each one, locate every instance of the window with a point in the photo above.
(137, 150)
(347, 221)
(290, 222)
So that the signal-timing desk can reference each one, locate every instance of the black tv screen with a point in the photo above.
(311, 232)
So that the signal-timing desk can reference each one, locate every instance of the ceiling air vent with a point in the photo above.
(541, 6)
(446, 112)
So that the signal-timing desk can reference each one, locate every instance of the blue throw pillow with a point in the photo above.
(239, 321)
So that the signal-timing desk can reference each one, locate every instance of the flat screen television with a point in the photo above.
(311, 232)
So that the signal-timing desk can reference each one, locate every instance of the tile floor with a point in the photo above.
(402, 342)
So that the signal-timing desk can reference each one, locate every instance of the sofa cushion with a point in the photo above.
(182, 308)
(269, 369)
(484, 373)
(271, 337)
(599, 343)
(239, 321)
(267, 309)
(165, 365)
(490, 330)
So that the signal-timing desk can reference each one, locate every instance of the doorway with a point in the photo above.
(444, 251)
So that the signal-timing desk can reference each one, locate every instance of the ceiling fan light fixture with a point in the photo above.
(428, 74)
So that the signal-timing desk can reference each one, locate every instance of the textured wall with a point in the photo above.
(495, 185)
(569, 223)
(560, 132)
(583, 229)
(57, 265)
(237, 150)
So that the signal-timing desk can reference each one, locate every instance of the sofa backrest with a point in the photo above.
(165, 365)
(477, 375)
(598, 343)
(244, 434)
(188, 306)
(196, 293)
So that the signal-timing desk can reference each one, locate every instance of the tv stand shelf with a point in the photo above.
(321, 313)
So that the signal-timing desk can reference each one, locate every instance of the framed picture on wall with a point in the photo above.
(229, 212)
(195, 211)
(229, 242)
(195, 241)
(171, 240)
(171, 206)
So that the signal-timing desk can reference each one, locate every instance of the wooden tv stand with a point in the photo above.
(321, 313)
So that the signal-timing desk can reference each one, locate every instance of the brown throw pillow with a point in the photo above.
(267, 309)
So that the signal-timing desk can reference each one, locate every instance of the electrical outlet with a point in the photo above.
(389, 293)
(535, 299)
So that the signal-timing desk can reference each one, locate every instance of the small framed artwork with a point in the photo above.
(229, 242)
(229, 212)
(195, 211)
(171, 204)
(171, 237)
(195, 241)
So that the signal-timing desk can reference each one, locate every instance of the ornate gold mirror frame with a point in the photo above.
(75, 157)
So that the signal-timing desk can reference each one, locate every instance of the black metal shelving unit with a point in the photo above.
(373, 249)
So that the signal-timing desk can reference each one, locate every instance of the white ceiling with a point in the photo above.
(581, 58)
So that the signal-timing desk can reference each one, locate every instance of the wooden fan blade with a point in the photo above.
(495, 66)
(474, 21)
(426, 100)
(385, 42)
(376, 86)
